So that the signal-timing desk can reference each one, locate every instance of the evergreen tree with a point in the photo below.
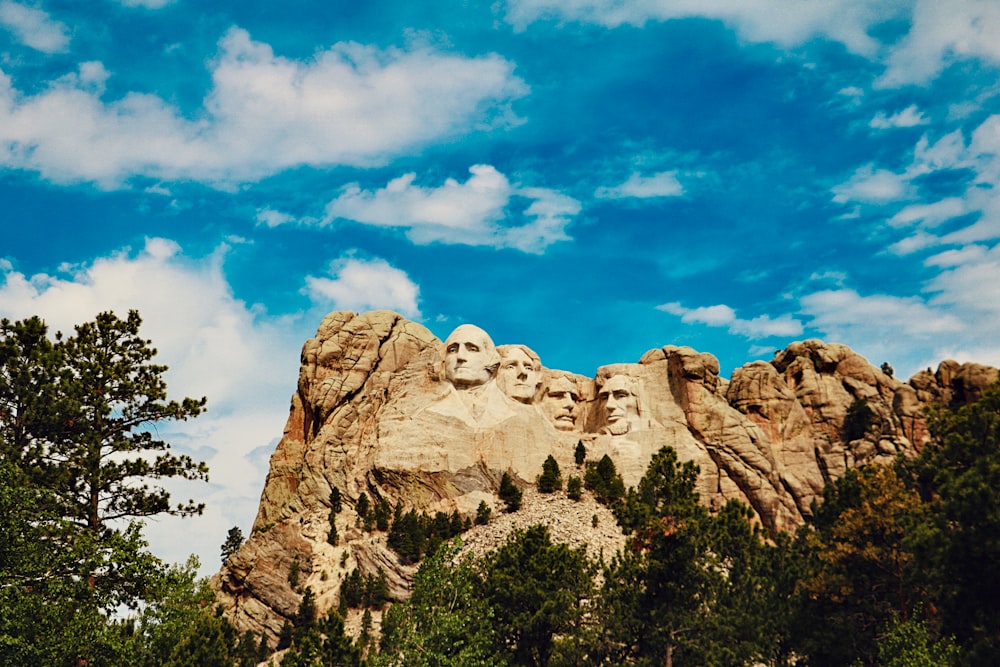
(537, 590)
(574, 487)
(603, 480)
(94, 451)
(381, 514)
(550, 479)
(580, 453)
(509, 493)
(483, 513)
(686, 590)
(860, 567)
(958, 475)
(363, 505)
(234, 540)
(445, 623)
(336, 505)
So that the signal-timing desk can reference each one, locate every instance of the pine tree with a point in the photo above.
(509, 493)
(603, 480)
(550, 479)
(234, 540)
(536, 589)
(483, 513)
(574, 486)
(78, 416)
(580, 453)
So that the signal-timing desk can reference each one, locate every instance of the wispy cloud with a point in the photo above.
(661, 184)
(34, 27)
(365, 284)
(911, 116)
(348, 105)
(870, 185)
(940, 32)
(762, 326)
(147, 4)
(475, 212)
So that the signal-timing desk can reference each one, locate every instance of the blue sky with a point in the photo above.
(588, 177)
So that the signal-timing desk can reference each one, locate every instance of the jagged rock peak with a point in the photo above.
(387, 412)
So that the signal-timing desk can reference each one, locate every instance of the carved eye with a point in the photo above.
(471, 347)
(453, 348)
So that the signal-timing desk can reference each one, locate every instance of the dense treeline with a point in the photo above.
(899, 566)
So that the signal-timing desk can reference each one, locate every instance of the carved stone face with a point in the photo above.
(470, 358)
(518, 376)
(559, 403)
(620, 403)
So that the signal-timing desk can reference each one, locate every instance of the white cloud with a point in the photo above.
(929, 215)
(762, 326)
(272, 218)
(784, 22)
(908, 117)
(148, 4)
(34, 27)
(956, 316)
(348, 105)
(872, 186)
(470, 213)
(662, 184)
(214, 346)
(360, 285)
(845, 314)
(940, 32)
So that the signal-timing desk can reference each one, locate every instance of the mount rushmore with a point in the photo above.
(386, 410)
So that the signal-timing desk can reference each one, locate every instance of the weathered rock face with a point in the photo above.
(385, 409)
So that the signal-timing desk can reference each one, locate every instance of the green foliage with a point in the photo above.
(77, 418)
(858, 421)
(691, 587)
(363, 505)
(958, 475)
(323, 644)
(413, 535)
(381, 515)
(365, 590)
(537, 590)
(574, 488)
(445, 623)
(294, 573)
(909, 644)
(483, 513)
(887, 369)
(336, 504)
(509, 493)
(602, 479)
(580, 453)
(550, 480)
(234, 540)
(862, 568)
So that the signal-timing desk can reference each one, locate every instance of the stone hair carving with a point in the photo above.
(559, 402)
(618, 398)
(520, 372)
(470, 357)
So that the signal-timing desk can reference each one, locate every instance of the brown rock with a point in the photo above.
(384, 408)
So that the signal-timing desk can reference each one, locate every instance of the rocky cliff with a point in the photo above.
(385, 409)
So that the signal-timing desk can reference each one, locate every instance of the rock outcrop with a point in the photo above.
(384, 409)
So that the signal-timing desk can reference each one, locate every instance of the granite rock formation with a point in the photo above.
(385, 409)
